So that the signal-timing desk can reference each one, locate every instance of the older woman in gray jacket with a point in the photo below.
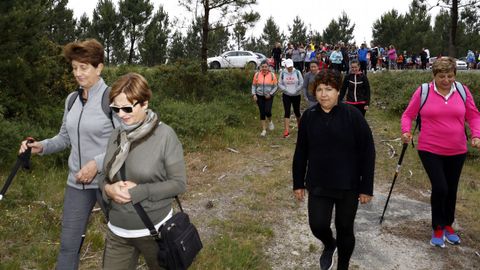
(143, 164)
(85, 130)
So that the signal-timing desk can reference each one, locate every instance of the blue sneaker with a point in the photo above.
(438, 237)
(451, 236)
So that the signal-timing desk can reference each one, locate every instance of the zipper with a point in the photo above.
(355, 88)
(78, 139)
(263, 85)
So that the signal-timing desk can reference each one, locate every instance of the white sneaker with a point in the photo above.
(264, 133)
(271, 126)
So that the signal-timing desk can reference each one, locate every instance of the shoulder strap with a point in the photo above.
(423, 98)
(106, 105)
(72, 100)
(461, 91)
(256, 76)
(423, 95)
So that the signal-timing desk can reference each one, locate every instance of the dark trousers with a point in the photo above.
(277, 64)
(264, 106)
(298, 66)
(288, 102)
(373, 63)
(360, 107)
(363, 67)
(320, 210)
(444, 174)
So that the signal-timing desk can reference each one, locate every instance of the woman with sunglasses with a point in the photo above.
(85, 130)
(143, 164)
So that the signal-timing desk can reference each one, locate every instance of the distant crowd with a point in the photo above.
(372, 58)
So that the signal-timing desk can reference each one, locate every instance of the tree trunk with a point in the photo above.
(452, 42)
(205, 30)
(108, 52)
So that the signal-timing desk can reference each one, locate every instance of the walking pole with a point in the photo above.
(23, 160)
(404, 148)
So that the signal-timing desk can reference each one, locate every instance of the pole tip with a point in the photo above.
(1, 197)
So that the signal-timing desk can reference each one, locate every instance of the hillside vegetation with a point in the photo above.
(209, 113)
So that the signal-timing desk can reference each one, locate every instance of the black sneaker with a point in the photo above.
(326, 260)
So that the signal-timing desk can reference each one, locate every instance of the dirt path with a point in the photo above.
(401, 242)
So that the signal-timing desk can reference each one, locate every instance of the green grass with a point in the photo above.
(31, 211)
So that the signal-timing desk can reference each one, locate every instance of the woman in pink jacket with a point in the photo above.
(392, 57)
(442, 143)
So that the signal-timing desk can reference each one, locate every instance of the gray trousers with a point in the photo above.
(77, 206)
(123, 253)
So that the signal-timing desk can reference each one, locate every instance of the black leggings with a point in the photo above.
(264, 106)
(444, 174)
(320, 216)
(289, 101)
(360, 107)
(363, 67)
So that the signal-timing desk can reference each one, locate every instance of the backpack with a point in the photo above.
(105, 103)
(258, 73)
(296, 72)
(424, 96)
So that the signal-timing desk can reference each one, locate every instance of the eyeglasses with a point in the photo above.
(126, 109)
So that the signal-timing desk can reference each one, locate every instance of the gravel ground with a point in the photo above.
(401, 242)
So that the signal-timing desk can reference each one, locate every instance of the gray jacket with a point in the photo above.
(157, 166)
(86, 129)
(309, 77)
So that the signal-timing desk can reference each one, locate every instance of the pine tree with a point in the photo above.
(153, 48)
(218, 40)
(83, 30)
(271, 34)
(176, 50)
(60, 22)
(298, 31)
(105, 27)
(339, 30)
(239, 34)
(193, 39)
(135, 15)
(385, 31)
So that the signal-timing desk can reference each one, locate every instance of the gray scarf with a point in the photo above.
(128, 135)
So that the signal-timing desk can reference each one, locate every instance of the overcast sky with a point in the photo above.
(316, 14)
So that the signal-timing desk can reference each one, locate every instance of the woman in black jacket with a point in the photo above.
(357, 88)
(334, 160)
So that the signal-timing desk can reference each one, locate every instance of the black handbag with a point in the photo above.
(178, 239)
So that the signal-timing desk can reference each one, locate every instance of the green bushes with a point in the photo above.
(196, 105)
(392, 90)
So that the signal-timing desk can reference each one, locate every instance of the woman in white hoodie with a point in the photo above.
(291, 84)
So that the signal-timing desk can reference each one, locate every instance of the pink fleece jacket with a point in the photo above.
(443, 121)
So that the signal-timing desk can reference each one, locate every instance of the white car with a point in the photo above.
(461, 65)
(234, 59)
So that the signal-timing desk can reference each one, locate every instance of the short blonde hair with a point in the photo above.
(134, 86)
(444, 64)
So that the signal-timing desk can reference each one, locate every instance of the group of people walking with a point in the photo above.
(334, 157)
(292, 83)
(129, 156)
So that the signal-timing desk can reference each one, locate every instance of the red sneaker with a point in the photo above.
(285, 134)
